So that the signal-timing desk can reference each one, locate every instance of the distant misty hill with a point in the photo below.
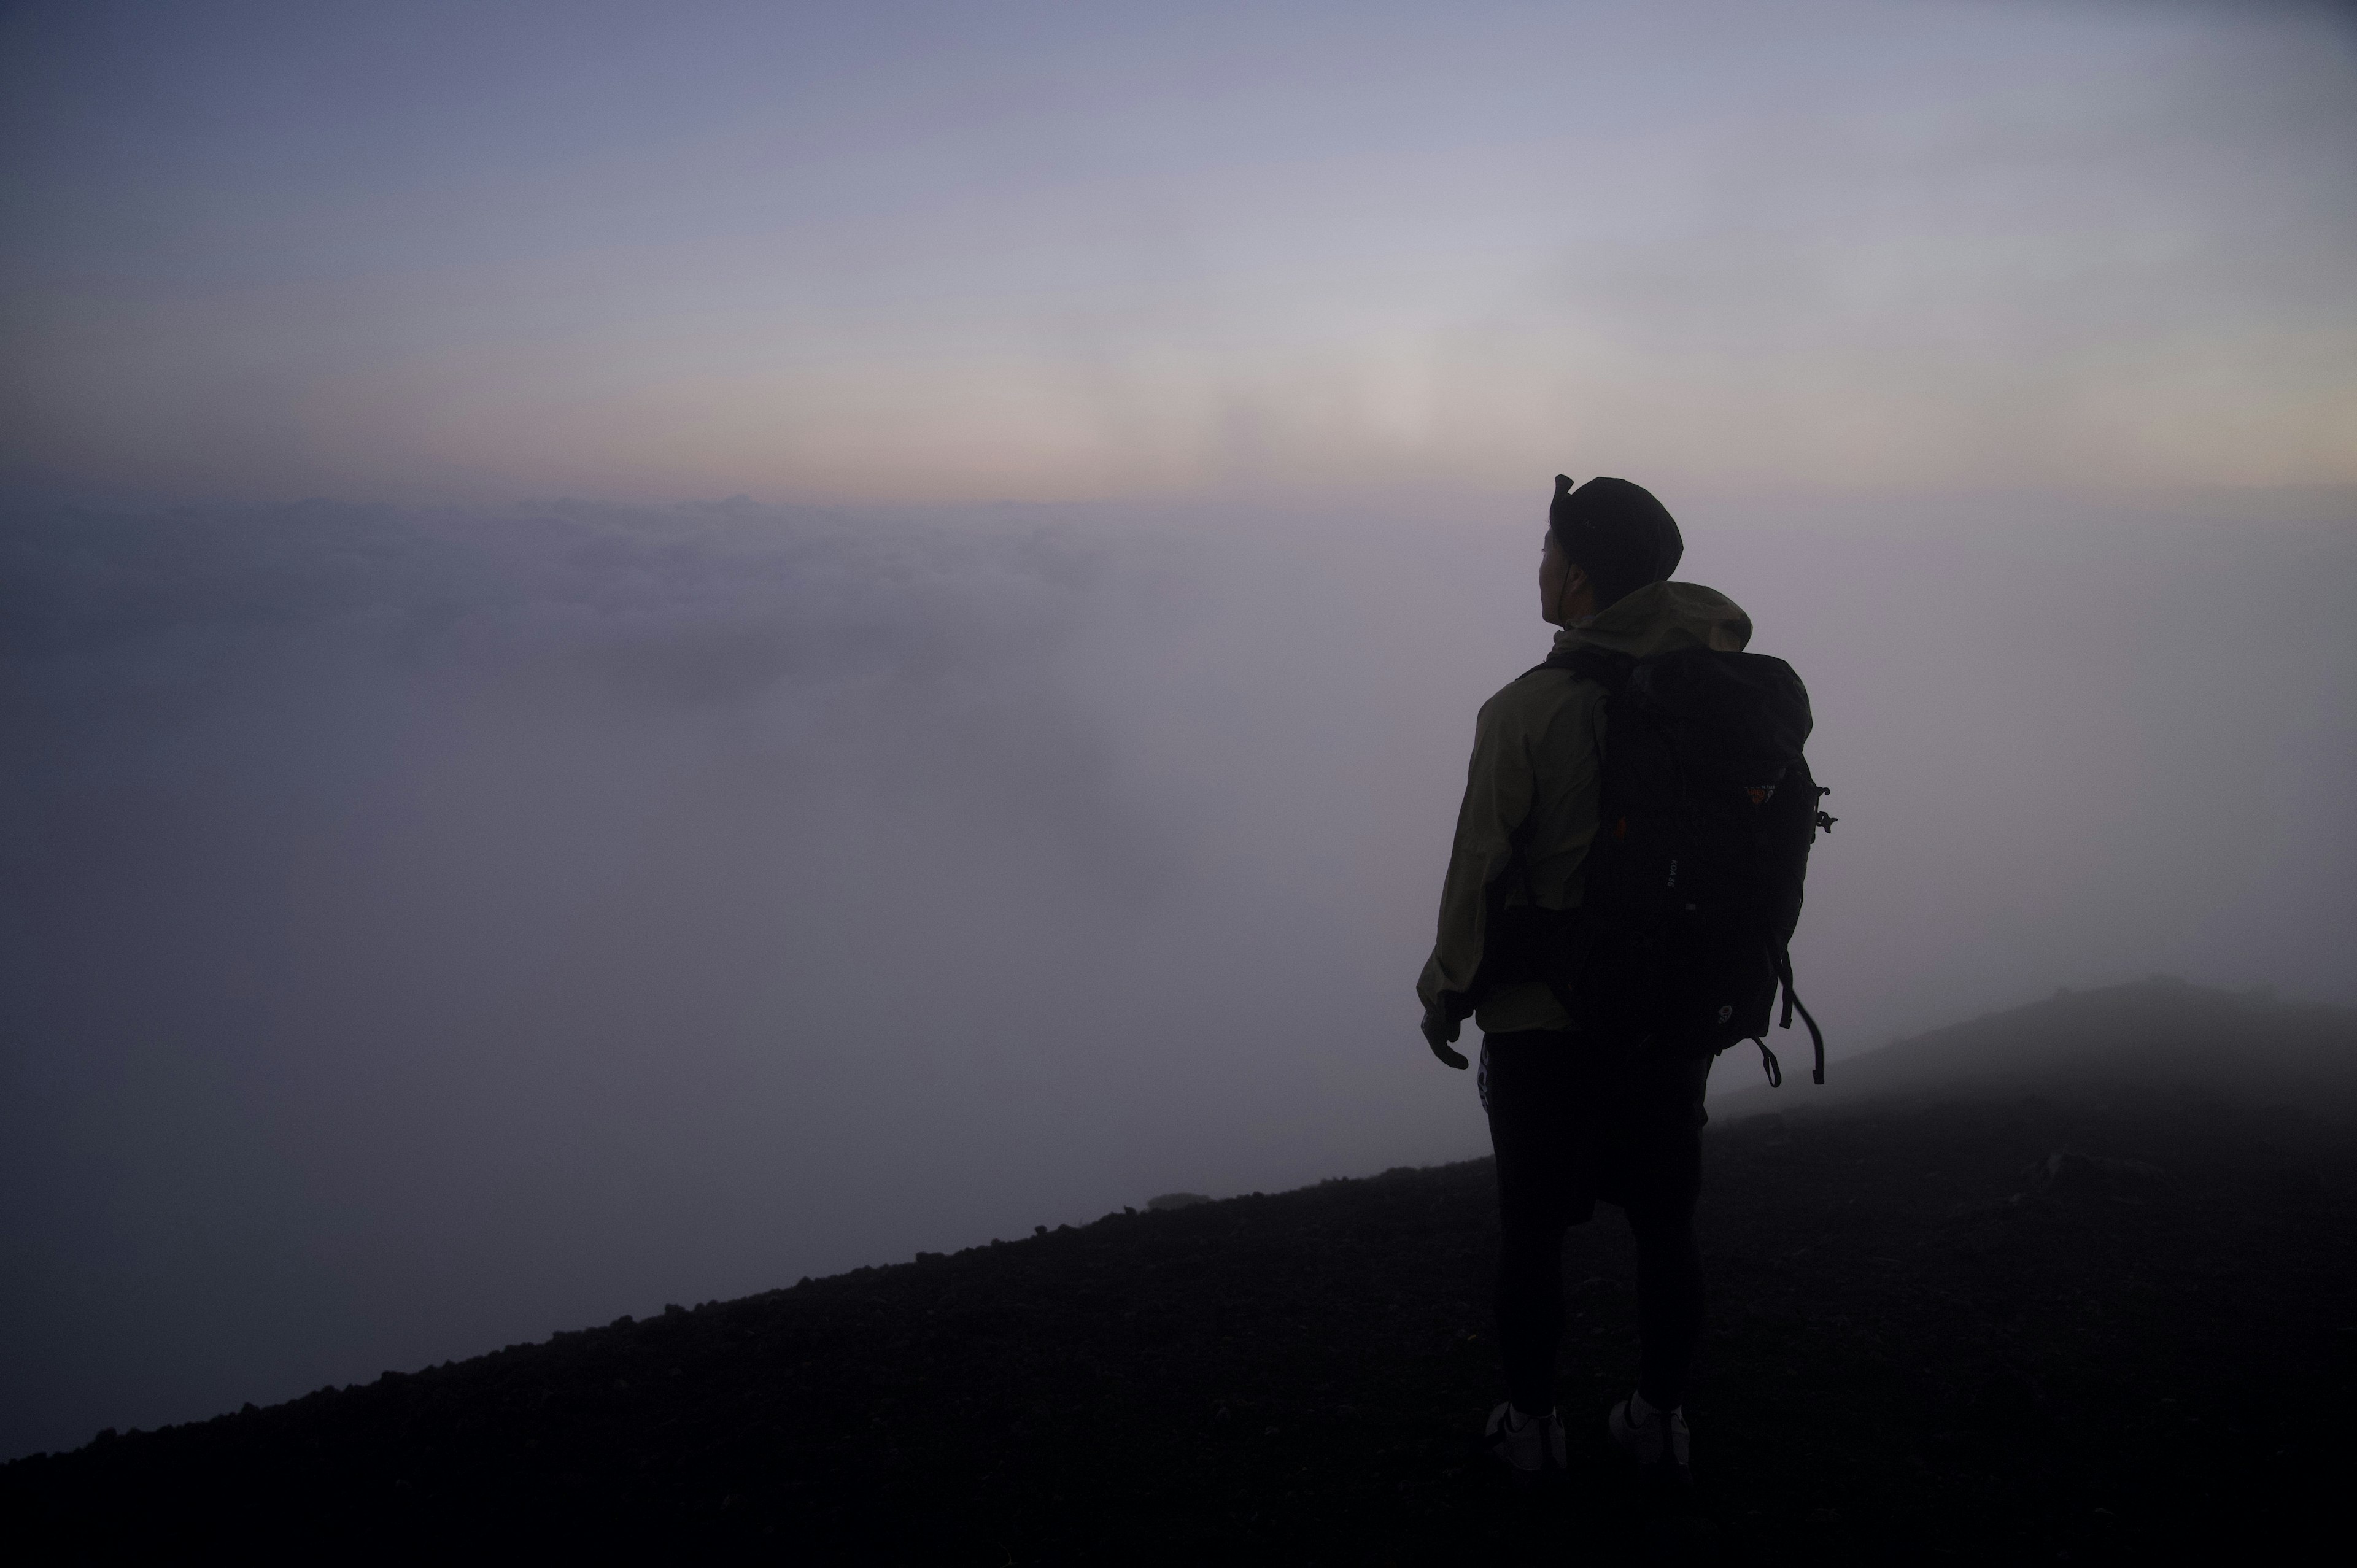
(2161, 1033)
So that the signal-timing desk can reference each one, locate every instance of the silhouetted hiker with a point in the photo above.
(1601, 994)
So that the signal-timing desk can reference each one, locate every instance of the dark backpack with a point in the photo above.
(1692, 885)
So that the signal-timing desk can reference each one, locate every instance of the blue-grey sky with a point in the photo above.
(1033, 250)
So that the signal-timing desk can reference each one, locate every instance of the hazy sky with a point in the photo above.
(433, 914)
(956, 251)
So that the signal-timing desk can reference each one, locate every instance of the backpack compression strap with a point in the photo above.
(1791, 1001)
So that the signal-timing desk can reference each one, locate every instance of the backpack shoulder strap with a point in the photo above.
(1601, 665)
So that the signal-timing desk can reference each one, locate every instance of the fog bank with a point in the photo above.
(423, 930)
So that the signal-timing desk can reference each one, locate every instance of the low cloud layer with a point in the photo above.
(424, 930)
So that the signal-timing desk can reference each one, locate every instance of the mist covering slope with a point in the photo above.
(422, 927)
(2158, 1034)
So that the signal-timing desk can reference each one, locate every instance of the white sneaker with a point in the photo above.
(1657, 1440)
(1532, 1447)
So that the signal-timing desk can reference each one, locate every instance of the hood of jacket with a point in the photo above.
(1661, 617)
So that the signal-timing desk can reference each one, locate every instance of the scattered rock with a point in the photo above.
(2009, 1403)
(2071, 1172)
(2298, 1186)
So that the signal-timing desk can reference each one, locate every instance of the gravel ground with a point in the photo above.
(1930, 1339)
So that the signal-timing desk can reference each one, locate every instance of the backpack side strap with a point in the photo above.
(1792, 1002)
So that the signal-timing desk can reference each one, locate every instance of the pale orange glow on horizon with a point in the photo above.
(1851, 247)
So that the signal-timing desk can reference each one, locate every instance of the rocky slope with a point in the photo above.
(2078, 1312)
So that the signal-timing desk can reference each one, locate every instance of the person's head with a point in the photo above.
(1604, 540)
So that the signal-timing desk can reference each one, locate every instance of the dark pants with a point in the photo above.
(1574, 1121)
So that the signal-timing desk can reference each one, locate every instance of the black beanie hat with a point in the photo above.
(1616, 532)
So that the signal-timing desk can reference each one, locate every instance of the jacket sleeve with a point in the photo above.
(1499, 787)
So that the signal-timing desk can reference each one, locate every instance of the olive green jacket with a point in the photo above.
(1530, 806)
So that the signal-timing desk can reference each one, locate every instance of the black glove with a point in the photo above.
(1439, 1033)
